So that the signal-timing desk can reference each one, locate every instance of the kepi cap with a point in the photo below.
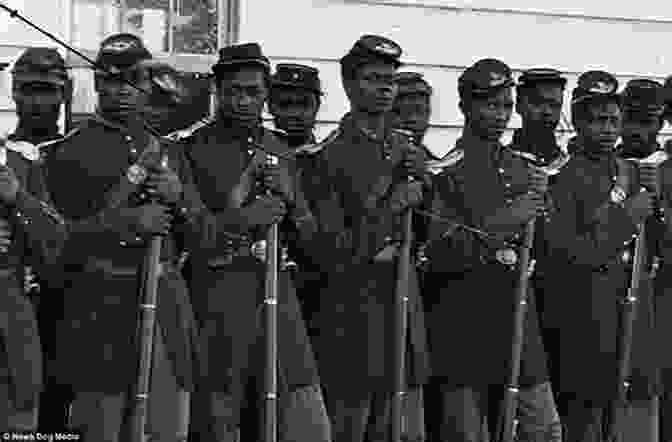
(241, 54)
(121, 51)
(536, 76)
(164, 78)
(413, 83)
(644, 96)
(484, 77)
(40, 65)
(595, 84)
(372, 48)
(297, 76)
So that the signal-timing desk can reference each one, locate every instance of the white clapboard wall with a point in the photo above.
(439, 37)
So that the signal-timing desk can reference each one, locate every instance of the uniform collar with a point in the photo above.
(623, 150)
(350, 125)
(544, 145)
(24, 134)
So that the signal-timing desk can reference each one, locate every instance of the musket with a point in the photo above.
(402, 293)
(628, 315)
(136, 408)
(271, 301)
(506, 428)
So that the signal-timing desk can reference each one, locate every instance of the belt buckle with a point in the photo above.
(506, 256)
(258, 249)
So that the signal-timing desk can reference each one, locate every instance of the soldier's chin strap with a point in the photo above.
(14, 13)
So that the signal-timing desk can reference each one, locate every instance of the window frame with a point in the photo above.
(228, 25)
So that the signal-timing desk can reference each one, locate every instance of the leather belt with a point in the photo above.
(506, 256)
(229, 254)
(111, 268)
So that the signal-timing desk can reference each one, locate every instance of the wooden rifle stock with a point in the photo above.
(137, 404)
(628, 314)
(506, 429)
(271, 301)
(401, 322)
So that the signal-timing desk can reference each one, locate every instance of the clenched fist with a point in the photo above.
(164, 183)
(640, 206)
(537, 181)
(9, 185)
(405, 195)
(413, 163)
(649, 177)
(276, 179)
(154, 219)
(265, 211)
(5, 235)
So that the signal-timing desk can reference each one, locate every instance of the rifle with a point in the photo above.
(401, 316)
(136, 412)
(506, 430)
(628, 315)
(271, 301)
(627, 319)
(506, 427)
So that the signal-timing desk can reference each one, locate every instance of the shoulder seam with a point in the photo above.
(182, 134)
(318, 147)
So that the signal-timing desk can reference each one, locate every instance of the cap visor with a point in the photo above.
(39, 78)
(295, 86)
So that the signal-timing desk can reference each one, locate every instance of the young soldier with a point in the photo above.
(642, 120)
(413, 108)
(598, 206)
(411, 114)
(474, 278)
(294, 103)
(227, 277)
(97, 176)
(31, 233)
(539, 98)
(363, 188)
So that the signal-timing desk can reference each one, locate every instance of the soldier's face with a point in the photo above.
(602, 126)
(640, 132)
(374, 88)
(294, 110)
(489, 116)
(38, 104)
(242, 95)
(541, 106)
(123, 94)
(412, 113)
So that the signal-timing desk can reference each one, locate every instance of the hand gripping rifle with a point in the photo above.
(506, 428)
(402, 293)
(271, 301)
(136, 412)
(628, 314)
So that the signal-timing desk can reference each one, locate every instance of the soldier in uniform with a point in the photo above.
(39, 86)
(539, 99)
(97, 176)
(474, 279)
(227, 278)
(644, 103)
(413, 108)
(598, 205)
(294, 102)
(31, 233)
(411, 114)
(363, 188)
